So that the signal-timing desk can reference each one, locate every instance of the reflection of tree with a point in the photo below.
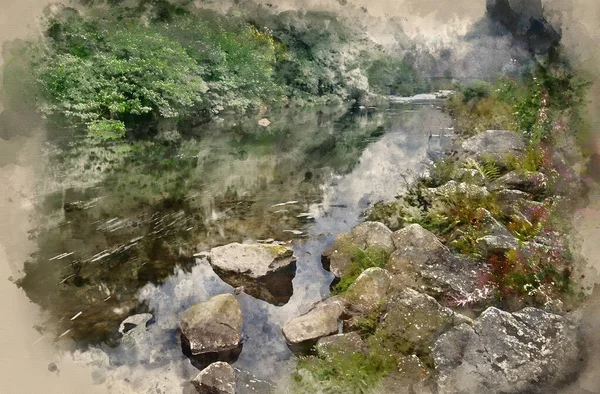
(163, 201)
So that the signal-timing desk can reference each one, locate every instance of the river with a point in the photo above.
(116, 227)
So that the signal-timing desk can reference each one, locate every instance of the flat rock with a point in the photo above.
(265, 271)
(526, 181)
(346, 343)
(495, 145)
(213, 327)
(529, 351)
(322, 320)
(423, 263)
(217, 378)
(368, 234)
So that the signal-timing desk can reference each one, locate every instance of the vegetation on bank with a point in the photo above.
(109, 70)
(463, 199)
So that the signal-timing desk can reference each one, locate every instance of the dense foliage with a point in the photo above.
(118, 68)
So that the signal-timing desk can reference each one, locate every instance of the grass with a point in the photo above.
(353, 373)
(361, 259)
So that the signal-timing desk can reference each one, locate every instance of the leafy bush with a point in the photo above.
(92, 73)
(476, 90)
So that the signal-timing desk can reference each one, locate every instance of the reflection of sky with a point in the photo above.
(379, 175)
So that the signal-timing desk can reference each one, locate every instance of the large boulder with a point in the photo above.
(337, 258)
(302, 332)
(495, 145)
(212, 330)
(411, 321)
(369, 290)
(265, 271)
(423, 263)
(529, 351)
(217, 378)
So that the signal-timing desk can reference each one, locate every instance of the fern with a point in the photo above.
(488, 169)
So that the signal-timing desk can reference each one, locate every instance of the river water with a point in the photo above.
(117, 227)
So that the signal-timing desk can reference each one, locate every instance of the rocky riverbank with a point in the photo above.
(463, 284)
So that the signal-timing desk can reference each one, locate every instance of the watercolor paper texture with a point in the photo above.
(299, 196)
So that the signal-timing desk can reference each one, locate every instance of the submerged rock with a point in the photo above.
(302, 332)
(265, 271)
(528, 351)
(212, 330)
(495, 145)
(133, 329)
(423, 263)
(368, 234)
(217, 378)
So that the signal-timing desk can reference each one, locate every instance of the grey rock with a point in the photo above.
(247, 383)
(368, 234)
(498, 238)
(217, 378)
(133, 329)
(491, 244)
(526, 181)
(346, 344)
(213, 326)
(369, 290)
(265, 271)
(529, 351)
(414, 320)
(495, 145)
(423, 263)
(322, 320)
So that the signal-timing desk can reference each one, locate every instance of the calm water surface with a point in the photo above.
(118, 225)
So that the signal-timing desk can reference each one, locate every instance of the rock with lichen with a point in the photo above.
(217, 378)
(265, 271)
(323, 319)
(423, 263)
(337, 258)
(528, 351)
(212, 330)
(369, 290)
(535, 183)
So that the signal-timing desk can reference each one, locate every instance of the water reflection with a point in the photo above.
(118, 238)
